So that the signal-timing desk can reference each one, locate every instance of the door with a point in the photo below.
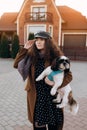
(74, 40)
(34, 29)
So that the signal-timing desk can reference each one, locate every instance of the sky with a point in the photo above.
(15, 5)
(10, 5)
(79, 5)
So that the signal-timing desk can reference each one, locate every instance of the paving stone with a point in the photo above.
(18, 128)
(9, 128)
(13, 106)
(2, 128)
(27, 128)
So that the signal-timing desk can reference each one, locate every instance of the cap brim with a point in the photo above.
(38, 36)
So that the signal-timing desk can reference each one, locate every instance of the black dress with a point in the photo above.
(45, 110)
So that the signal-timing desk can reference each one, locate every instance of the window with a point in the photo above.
(39, 0)
(39, 13)
(34, 29)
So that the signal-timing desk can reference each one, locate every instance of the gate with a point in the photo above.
(78, 53)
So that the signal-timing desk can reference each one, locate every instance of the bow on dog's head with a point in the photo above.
(61, 63)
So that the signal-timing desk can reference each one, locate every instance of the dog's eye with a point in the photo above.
(67, 61)
(61, 61)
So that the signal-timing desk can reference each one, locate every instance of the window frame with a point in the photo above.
(38, 1)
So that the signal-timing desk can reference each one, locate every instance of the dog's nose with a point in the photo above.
(64, 63)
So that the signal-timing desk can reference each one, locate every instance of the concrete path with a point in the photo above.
(13, 108)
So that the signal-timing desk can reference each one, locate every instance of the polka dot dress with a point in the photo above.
(45, 110)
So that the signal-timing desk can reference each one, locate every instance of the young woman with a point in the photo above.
(42, 111)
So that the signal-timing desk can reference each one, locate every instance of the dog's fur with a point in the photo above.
(61, 63)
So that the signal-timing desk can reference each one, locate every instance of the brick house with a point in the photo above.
(8, 24)
(73, 33)
(36, 15)
(74, 27)
(67, 26)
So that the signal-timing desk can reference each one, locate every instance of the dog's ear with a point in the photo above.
(54, 65)
(66, 71)
(68, 66)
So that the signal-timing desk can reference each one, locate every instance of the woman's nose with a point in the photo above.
(38, 42)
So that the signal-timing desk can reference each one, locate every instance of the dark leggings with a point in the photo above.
(39, 128)
(55, 127)
(50, 127)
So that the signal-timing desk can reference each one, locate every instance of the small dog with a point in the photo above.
(54, 76)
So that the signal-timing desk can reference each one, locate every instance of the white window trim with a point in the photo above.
(86, 40)
(52, 30)
(39, 6)
(25, 34)
(27, 26)
(39, 1)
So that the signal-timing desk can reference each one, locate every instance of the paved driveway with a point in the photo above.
(13, 110)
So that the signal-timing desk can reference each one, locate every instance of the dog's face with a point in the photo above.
(61, 63)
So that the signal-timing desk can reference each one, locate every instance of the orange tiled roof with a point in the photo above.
(72, 19)
(8, 22)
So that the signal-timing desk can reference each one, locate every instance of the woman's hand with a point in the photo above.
(28, 44)
(47, 81)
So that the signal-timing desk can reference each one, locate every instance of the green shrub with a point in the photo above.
(15, 46)
(4, 47)
(31, 36)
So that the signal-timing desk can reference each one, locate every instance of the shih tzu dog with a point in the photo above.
(54, 76)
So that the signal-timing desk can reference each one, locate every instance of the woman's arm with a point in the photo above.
(67, 79)
(22, 52)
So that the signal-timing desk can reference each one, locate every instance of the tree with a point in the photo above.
(15, 46)
(31, 36)
(4, 47)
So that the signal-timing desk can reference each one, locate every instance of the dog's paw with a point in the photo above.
(55, 101)
(57, 106)
(53, 91)
(61, 105)
(37, 79)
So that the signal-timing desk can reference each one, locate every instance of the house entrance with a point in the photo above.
(33, 29)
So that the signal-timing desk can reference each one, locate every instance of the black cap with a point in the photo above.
(42, 34)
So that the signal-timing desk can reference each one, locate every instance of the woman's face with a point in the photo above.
(40, 42)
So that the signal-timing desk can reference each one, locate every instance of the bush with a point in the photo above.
(31, 36)
(15, 46)
(4, 47)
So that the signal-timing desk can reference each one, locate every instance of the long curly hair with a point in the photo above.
(51, 51)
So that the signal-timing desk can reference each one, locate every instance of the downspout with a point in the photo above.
(86, 40)
(59, 38)
(17, 27)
